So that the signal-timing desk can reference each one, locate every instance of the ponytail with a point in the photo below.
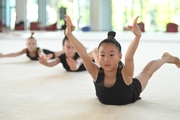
(32, 33)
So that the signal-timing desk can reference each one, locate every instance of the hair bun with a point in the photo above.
(111, 34)
(32, 33)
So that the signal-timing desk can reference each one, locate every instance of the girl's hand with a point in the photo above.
(72, 64)
(69, 26)
(48, 56)
(135, 28)
(42, 60)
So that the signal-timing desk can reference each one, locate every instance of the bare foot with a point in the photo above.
(93, 52)
(171, 59)
(93, 55)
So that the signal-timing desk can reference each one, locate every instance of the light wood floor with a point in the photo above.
(30, 91)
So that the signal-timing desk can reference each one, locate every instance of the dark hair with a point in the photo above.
(111, 34)
(111, 39)
(32, 33)
(64, 39)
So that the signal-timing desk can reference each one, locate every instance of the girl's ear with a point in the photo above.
(120, 56)
(98, 57)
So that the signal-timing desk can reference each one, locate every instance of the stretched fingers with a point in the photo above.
(68, 19)
(73, 28)
(41, 59)
(67, 22)
(135, 20)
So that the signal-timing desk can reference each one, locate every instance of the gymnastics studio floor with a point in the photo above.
(31, 91)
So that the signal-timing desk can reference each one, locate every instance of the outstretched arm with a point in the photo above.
(91, 67)
(46, 56)
(128, 69)
(13, 54)
(43, 61)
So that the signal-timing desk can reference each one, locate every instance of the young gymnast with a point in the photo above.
(69, 59)
(32, 51)
(114, 82)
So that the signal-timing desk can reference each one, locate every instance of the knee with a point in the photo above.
(146, 72)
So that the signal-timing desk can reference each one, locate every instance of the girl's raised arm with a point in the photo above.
(90, 66)
(128, 69)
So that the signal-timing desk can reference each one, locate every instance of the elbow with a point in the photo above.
(129, 59)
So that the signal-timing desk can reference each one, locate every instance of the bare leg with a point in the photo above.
(93, 55)
(57, 54)
(153, 66)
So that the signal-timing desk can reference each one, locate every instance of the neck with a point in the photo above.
(110, 74)
(32, 51)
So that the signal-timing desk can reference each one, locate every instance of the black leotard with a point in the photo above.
(46, 51)
(119, 93)
(37, 55)
(62, 57)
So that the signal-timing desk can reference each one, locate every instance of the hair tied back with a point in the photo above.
(111, 34)
(32, 33)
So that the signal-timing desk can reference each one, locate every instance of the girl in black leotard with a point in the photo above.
(32, 51)
(114, 82)
(69, 59)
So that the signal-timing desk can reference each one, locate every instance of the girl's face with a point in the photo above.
(69, 49)
(109, 56)
(31, 44)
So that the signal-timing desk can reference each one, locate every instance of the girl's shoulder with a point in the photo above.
(37, 48)
(76, 55)
(62, 56)
(24, 50)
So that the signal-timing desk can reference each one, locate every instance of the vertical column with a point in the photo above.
(21, 12)
(42, 14)
(94, 14)
(5, 8)
(1, 7)
(7, 13)
(2, 11)
(100, 15)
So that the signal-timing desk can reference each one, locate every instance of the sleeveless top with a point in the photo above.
(62, 57)
(118, 94)
(35, 57)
